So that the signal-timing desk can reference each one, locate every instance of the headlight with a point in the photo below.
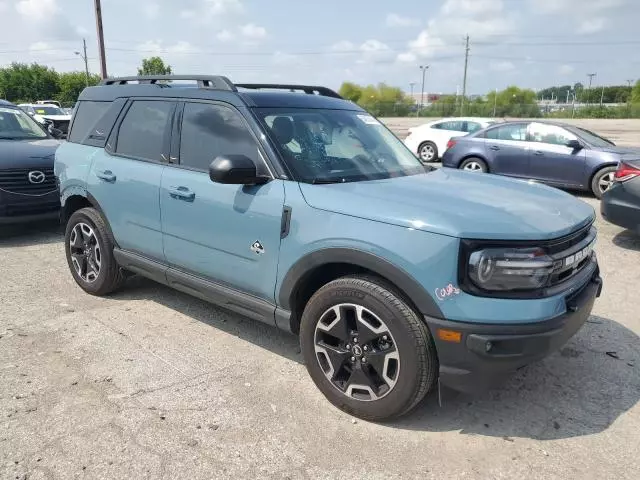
(506, 269)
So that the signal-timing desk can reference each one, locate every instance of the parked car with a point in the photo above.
(429, 141)
(28, 190)
(49, 102)
(293, 206)
(621, 203)
(48, 115)
(558, 154)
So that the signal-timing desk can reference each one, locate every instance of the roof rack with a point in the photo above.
(310, 89)
(216, 82)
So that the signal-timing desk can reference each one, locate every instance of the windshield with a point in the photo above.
(17, 125)
(593, 139)
(48, 110)
(334, 146)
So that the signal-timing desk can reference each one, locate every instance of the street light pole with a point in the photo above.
(590, 75)
(86, 60)
(495, 103)
(424, 71)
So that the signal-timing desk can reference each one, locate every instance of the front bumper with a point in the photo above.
(487, 353)
(621, 206)
(16, 208)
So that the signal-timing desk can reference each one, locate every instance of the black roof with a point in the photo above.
(219, 88)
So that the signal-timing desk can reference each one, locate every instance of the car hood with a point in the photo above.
(27, 153)
(620, 150)
(458, 204)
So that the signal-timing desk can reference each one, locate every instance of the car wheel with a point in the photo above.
(365, 348)
(89, 249)
(428, 152)
(602, 181)
(474, 165)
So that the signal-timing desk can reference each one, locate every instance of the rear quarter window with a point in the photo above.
(85, 118)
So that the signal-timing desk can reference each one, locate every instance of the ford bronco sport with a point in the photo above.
(293, 206)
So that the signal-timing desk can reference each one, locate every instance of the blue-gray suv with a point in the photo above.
(293, 206)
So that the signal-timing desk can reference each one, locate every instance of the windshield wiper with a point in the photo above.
(326, 181)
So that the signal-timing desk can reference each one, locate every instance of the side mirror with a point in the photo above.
(235, 170)
(574, 144)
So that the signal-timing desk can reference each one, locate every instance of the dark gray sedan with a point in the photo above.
(558, 154)
(621, 203)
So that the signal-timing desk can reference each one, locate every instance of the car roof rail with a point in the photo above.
(310, 89)
(215, 82)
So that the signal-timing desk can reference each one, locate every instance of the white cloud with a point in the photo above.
(281, 58)
(225, 36)
(501, 66)
(151, 10)
(343, 46)
(156, 47)
(223, 7)
(187, 14)
(444, 33)
(591, 25)
(181, 47)
(395, 20)
(566, 69)
(37, 9)
(40, 47)
(4, 6)
(253, 31)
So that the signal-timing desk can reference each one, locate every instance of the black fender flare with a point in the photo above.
(369, 261)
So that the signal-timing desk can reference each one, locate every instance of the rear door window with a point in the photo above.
(143, 130)
(515, 132)
(86, 116)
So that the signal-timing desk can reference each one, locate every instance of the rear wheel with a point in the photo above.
(365, 348)
(602, 181)
(89, 250)
(474, 164)
(428, 152)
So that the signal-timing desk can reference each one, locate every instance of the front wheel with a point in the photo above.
(89, 249)
(474, 165)
(602, 181)
(365, 348)
(428, 152)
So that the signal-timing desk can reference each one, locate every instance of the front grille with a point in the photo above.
(17, 181)
(574, 257)
(30, 208)
(62, 125)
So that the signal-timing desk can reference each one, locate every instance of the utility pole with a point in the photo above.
(424, 70)
(495, 103)
(590, 75)
(630, 91)
(601, 96)
(413, 99)
(464, 79)
(103, 60)
(86, 60)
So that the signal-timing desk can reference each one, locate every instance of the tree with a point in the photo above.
(154, 66)
(71, 84)
(635, 94)
(380, 100)
(22, 82)
(351, 91)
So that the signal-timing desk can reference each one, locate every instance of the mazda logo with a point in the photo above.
(36, 176)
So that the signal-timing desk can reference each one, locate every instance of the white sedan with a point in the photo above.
(429, 141)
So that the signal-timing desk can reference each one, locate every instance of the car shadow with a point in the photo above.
(627, 239)
(30, 234)
(580, 390)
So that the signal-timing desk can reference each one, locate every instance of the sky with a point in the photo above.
(529, 43)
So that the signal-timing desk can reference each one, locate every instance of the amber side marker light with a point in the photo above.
(449, 335)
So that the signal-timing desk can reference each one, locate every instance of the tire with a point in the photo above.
(474, 164)
(602, 178)
(93, 247)
(428, 152)
(401, 353)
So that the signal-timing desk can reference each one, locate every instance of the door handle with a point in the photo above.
(494, 147)
(538, 152)
(106, 175)
(182, 193)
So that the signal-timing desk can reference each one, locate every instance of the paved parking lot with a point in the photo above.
(151, 383)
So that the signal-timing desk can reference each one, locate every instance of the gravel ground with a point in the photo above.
(151, 383)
